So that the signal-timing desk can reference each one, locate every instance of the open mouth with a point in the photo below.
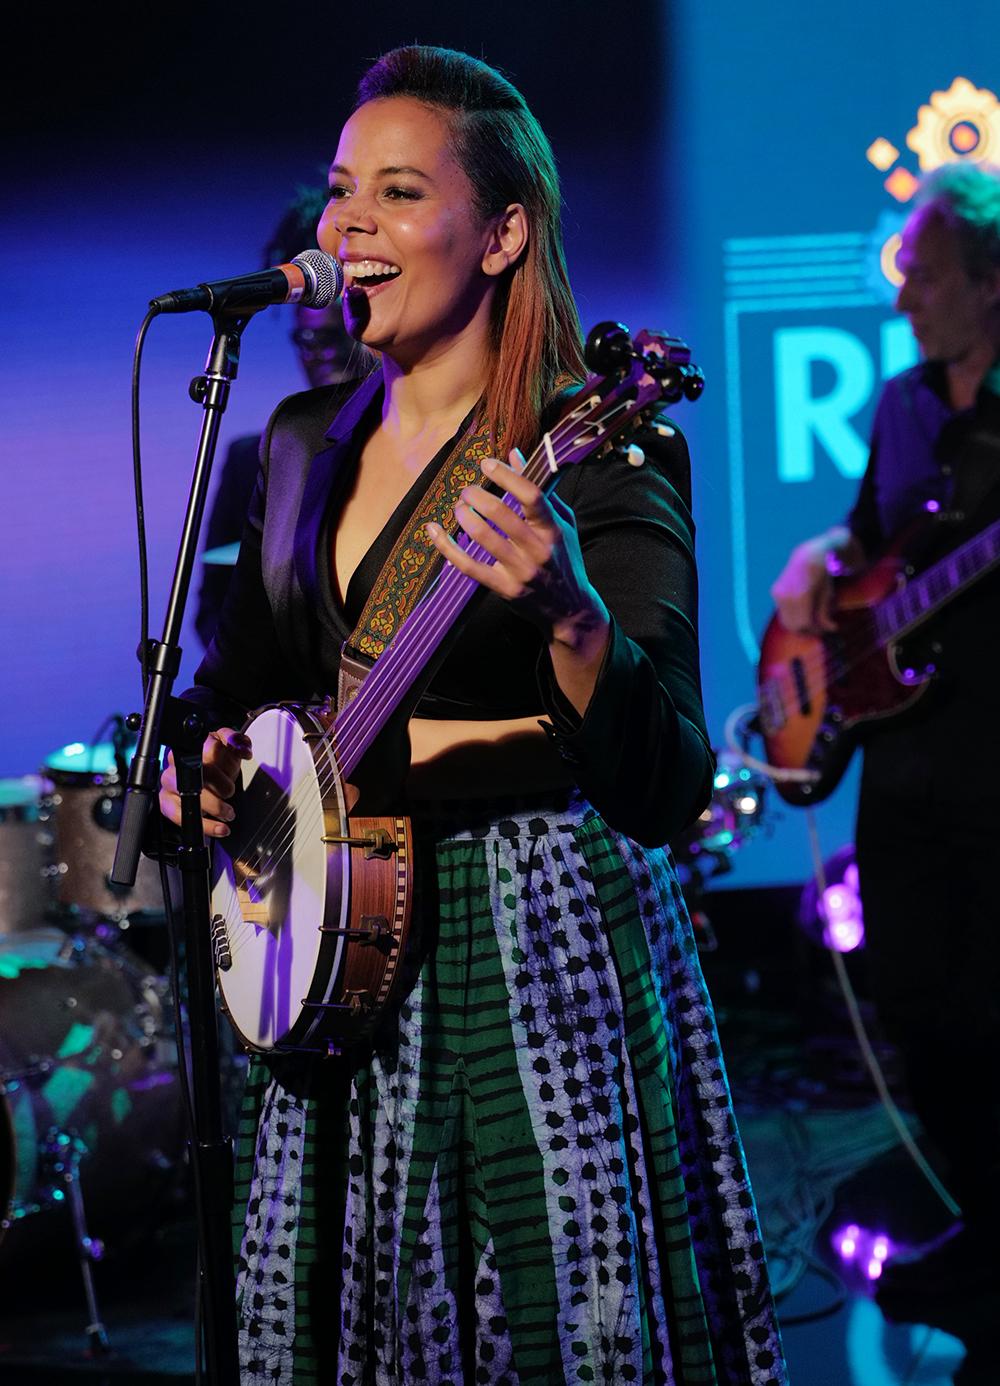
(368, 275)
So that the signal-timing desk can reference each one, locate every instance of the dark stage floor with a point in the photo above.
(822, 1154)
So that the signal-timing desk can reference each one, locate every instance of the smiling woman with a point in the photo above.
(529, 1170)
(414, 226)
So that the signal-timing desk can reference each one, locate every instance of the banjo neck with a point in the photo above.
(641, 373)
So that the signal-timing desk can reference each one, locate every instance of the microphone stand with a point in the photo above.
(169, 721)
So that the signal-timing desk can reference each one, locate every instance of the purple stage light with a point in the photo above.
(863, 1247)
(835, 918)
(845, 1240)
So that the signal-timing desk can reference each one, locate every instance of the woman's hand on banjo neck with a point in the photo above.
(222, 754)
(538, 568)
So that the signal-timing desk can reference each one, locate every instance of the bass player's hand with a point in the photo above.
(803, 591)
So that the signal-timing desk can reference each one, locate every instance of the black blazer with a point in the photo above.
(641, 753)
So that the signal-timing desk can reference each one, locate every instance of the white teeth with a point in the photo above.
(368, 269)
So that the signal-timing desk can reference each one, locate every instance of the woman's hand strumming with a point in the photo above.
(539, 568)
(221, 756)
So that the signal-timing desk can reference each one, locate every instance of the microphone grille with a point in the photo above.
(324, 278)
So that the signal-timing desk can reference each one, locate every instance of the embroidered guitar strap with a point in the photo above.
(414, 561)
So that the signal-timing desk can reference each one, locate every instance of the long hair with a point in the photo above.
(501, 148)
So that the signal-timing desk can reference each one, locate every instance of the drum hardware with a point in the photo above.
(62, 1152)
(89, 1097)
(736, 813)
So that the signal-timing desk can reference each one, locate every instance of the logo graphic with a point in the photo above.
(959, 125)
(962, 123)
(809, 342)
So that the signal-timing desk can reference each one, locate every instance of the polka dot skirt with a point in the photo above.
(534, 1176)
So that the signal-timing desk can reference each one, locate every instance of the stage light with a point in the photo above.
(863, 1247)
(846, 1241)
(835, 918)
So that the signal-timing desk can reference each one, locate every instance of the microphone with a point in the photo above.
(313, 278)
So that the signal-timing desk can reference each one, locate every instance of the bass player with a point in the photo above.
(929, 814)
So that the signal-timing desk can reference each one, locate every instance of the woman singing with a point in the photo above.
(532, 1172)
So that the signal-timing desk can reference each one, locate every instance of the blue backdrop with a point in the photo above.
(717, 184)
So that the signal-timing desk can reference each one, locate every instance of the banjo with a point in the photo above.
(312, 903)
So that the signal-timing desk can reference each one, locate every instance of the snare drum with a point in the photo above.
(84, 800)
(85, 1064)
(25, 854)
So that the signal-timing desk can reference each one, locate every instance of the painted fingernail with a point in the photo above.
(220, 830)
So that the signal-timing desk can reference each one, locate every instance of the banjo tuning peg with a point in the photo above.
(609, 347)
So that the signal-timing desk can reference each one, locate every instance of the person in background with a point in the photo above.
(328, 356)
(929, 814)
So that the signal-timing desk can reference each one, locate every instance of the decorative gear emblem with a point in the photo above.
(881, 274)
(960, 123)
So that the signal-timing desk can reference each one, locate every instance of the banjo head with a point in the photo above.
(272, 891)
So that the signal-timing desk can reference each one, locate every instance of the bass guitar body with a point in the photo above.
(816, 693)
(311, 906)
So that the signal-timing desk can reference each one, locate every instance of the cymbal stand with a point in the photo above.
(62, 1152)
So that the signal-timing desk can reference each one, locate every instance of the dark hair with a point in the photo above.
(966, 198)
(506, 157)
(296, 231)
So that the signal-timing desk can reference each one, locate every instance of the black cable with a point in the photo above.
(140, 513)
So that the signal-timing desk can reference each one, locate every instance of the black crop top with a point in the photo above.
(641, 752)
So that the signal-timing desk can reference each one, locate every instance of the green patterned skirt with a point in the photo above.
(534, 1176)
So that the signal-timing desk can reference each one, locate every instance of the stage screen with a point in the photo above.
(736, 176)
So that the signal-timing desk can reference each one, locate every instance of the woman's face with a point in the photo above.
(401, 220)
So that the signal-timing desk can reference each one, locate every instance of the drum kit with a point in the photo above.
(736, 813)
(91, 1115)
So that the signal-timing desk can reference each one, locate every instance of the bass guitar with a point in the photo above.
(816, 693)
(312, 903)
